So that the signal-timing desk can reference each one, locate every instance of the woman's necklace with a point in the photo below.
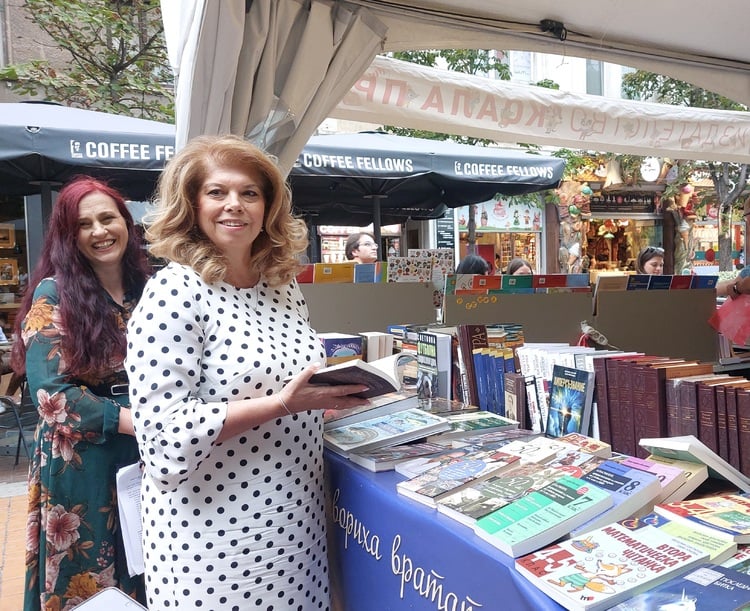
(251, 296)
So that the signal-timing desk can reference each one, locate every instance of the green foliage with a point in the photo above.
(117, 57)
(547, 84)
(642, 85)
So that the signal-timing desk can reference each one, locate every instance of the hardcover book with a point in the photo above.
(570, 401)
(440, 481)
(390, 429)
(707, 587)
(605, 566)
(543, 516)
(471, 337)
(725, 515)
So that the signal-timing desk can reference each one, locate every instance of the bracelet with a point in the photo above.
(283, 404)
(735, 290)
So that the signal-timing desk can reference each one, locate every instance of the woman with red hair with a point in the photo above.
(71, 347)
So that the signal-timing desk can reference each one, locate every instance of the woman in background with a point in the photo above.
(519, 267)
(473, 264)
(650, 261)
(71, 349)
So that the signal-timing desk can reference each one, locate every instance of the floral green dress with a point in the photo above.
(73, 542)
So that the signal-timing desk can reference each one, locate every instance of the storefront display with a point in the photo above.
(333, 241)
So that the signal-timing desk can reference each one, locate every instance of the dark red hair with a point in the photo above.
(92, 335)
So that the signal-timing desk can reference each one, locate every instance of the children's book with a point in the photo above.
(707, 587)
(603, 567)
(440, 481)
(670, 476)
(695, 475)
(688, 447)
(588, 444)
(726, 515)
(570, 400)
(543, 516)
(390, 429)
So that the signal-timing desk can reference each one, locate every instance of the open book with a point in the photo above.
(380, 376)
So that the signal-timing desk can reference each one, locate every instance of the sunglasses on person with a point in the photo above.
(654, 250)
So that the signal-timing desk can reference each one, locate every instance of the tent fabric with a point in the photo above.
(704, 43)
(393, 92)
(379, 178)
(271, 73)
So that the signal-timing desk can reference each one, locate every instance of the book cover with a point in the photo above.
(633, 490)
(680, 282)
(638, 282)
(366, 272)
(603, 567)
(333, 272)
(390, 429)
(306, 273)
(412, 467)
(472, 423)
(588, 444)
(434, 365)
(725, 515)
(538, 449)
(707, 587)
(695, 475)
(689, 448)
(657, 282)
(543, 516)
(570, 401)
(698, 281)
(542, 281)
(378, 406)
(385, 459)
(441, 480)
(341, 347)
(523, 283)
(743, 430)
(670, 477)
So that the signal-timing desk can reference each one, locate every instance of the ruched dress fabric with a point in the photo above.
(239, 524)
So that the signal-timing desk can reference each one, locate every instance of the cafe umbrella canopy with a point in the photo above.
(380, 178)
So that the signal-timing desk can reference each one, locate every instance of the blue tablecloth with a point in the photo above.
(391, 553)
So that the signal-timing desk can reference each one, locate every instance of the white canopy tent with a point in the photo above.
(392, 92)
(273, 72)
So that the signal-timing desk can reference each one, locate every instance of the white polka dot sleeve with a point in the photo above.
(175, 425)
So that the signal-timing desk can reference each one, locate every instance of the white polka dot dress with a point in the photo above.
(236, 525)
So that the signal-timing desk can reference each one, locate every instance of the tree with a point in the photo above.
(117, 58)
(729, 179)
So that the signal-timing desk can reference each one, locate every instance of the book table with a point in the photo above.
(389, 552)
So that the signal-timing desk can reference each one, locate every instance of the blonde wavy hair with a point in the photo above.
(172, 228)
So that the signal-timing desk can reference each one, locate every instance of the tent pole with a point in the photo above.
(38, 210)
(376, 224)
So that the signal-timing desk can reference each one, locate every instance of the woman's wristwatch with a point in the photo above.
(736, 290)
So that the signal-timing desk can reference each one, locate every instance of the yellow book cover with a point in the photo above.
(334, 272)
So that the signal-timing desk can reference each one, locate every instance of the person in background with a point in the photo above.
(71, 347)
(233, 499)
(518, 267)
(650, 261)
(361, 247)
(473, 264)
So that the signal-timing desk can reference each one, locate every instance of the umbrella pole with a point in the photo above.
(376, 222)
(37, 207)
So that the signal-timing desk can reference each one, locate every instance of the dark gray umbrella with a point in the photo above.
(43, 145)
(379, 178)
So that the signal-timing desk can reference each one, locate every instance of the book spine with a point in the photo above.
(707, 432)
(672, 407)
(515, 399)
(688, 408)
(471, 337)
(613, 394)
(721, 420)
(481, 379)
(743, 428)
(535, 415)
(733, 438)
(649, 410)
(600, 398)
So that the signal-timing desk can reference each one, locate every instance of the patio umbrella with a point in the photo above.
(42, 145)
(380, 178)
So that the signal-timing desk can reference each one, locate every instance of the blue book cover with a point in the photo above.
(481, 375)
(570, 401)
(703, 282)
(365, 272)
(707, 587)
(498, 363)
(638, 282)
(659, 282)
(577, 280)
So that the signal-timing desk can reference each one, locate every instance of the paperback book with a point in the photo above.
(390, 429)
(726, 515)
(605, 566)
(473, 423)
(386, 459)
(707, 587)
(440, 481)
(695, 475)
(378, 406)
(543, 516)
(380, 376)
